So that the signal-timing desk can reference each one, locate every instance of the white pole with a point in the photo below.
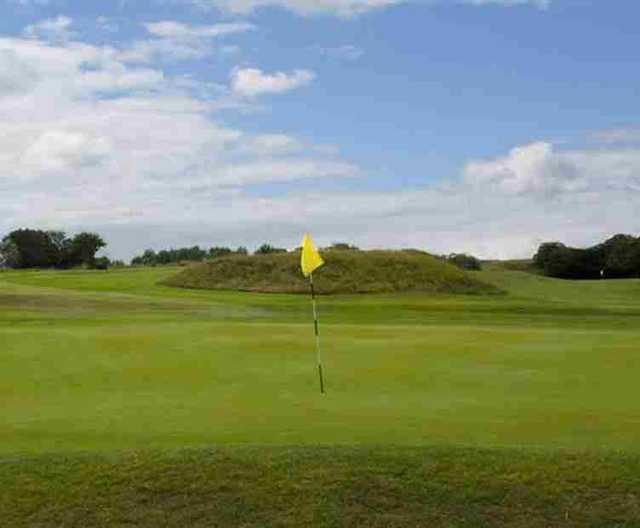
(317, 333)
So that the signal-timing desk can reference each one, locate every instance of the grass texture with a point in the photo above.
(442, 409)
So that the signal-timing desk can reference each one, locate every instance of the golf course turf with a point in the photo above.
(126, 402)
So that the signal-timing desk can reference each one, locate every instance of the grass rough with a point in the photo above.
(323, 487)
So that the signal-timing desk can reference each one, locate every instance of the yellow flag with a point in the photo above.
(311, 259)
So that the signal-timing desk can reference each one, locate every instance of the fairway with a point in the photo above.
(95, 361)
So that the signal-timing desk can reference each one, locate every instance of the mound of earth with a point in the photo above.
(344, 272)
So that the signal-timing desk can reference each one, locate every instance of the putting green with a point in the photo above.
(103, 361)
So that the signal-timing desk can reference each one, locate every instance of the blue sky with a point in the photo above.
(479, 126)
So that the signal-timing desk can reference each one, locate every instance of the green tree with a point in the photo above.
(9, 254)
(83, 248)
(34, 248)
(622, 257)
(148, 258)
(217, 252)
(464, 261)
(343, 246)
(102, 263)
(268, 249)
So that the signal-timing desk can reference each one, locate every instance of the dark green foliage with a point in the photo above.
(9, 254)
(373, 487)
(618, 257)
(343, 246)
(82, 249)
(32, 248)
(102, 263)
(170, 256)
(217, 252)
(344, 272)
(268, 249)
(187, 254)
(622, 257)
(558, 260)
(35, 248)
(148, 258)
(464, 261)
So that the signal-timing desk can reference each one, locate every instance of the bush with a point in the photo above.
(464, 261)
(343, 246)
(102, 263)
(268, 249)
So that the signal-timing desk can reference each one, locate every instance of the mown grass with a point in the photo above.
(344, 272)
(442, 410)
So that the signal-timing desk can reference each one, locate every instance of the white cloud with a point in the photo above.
(251, 82)
(176, 30)
(30, 3)
(305, 7)
(533, 169)
(66, 71)
(150, 152)
(286, 170)
(541, 4)
(342, 8)
(58, 150)
(176, 41)
(54, 29)
(539, 170)
(347, 8)
(152, 165)
(274, 144)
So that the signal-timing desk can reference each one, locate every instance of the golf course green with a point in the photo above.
(105, 374)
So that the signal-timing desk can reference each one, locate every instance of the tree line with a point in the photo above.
(34, 248)
(186, 254)
(163, 257)
(616, 258)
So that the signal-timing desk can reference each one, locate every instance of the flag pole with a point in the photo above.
(317, 332)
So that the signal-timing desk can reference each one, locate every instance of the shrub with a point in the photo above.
(268, 249)
(464, 261)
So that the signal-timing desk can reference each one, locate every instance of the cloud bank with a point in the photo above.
(92, 138)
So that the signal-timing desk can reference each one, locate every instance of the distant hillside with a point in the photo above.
(344, 272)
(525, 265)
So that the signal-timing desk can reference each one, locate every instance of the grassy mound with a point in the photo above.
(344, 272)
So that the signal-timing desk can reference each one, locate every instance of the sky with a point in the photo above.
(478, 126)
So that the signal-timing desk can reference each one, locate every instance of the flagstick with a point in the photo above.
(317, 332)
